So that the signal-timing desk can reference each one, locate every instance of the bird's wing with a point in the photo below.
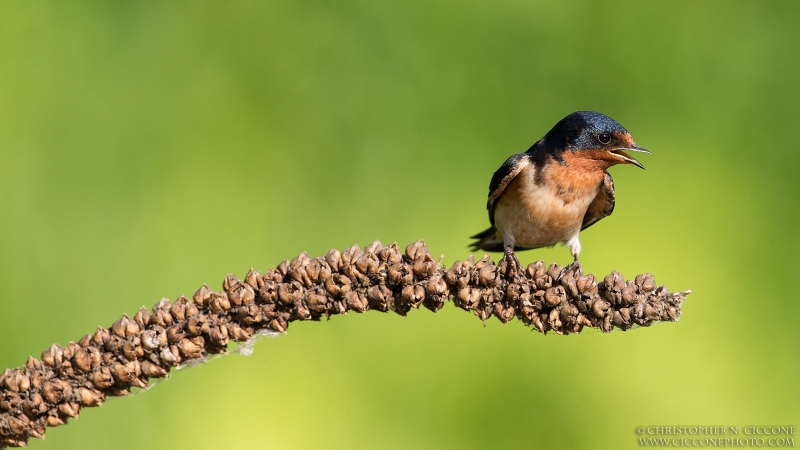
(602, 205)
(502, 177)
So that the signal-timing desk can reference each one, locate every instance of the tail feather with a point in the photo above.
(486, 240)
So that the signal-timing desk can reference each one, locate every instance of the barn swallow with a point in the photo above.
(556, 189)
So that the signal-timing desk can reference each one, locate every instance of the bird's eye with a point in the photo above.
(604, 138)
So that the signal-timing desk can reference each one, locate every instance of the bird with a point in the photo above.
(559, 187)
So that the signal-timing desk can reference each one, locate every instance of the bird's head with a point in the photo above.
(594, 136)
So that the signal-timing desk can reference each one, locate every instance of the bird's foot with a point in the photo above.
(510, 265)
(574, 267)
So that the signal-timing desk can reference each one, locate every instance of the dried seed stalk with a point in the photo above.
(49, 391)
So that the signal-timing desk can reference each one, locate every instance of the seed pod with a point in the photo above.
(417, 249)
(142, 317)
(536, 270)
(178, 309)
(170, 356)
(503, 312)
(34, 406)
(36, 430)
(52, 392)
(278, 325)
(301, 311)
(599, 308)
(18, 426)
(540, 324)
(118, 328)
(298, 274)
(201, 296)
(628, 294)
(624, 318)
(154, 338)
(587, 285)
(189, 349)
(9, 400)
(197, 325)
(614, 281)
(571, 284)
(269, 292)
(175, 333)
(230, 282)
(378, 297)
(468, 297)
(254, 280)
(288, 293)
(162, 318)
(251, 314)
(367, 263)
(554, 320)
(90, 397)
(82, 360)
(512, 292)
(483, 313)
(334, 259)
(423, 266)
(54, 421)
(646, 282)
(152, 370)
(116, 391)
(337, 285)
(555, 296)
(113, 344)
(100, 337)
(434, 302)
(238, 333)
(356, 301)
(131, 327)
(650, 312)
(219, 303)
(17, 381)
(418, 295)
(526, 313)
(164, 304)
(122, 374)
(454, 275)
(436, 286)
(85, 341)
(350, 255)
(191, 310)
(391, 254)
(374, 248)
(273, 275)
(316, 301)
(399, 274)
(244, 294)
(313, 270)
(554, 271)
(217, 339)
(69, 409)
(53, 356)
(488, 275)
(69, 351)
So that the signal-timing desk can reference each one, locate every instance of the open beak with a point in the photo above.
(628, 158)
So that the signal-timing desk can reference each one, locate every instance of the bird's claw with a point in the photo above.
(574, 267)
(510, 265)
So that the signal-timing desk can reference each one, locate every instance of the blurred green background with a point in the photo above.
(149, 147)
